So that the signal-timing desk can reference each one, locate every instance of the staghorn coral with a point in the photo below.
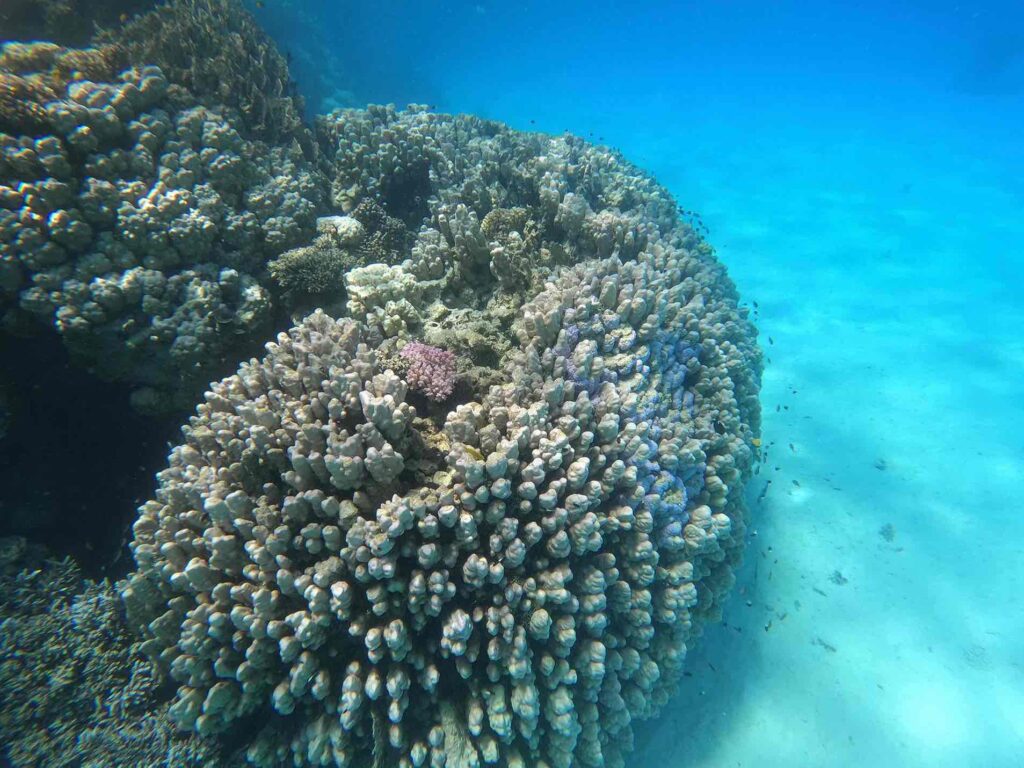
(531, 577)
(140, 224)
(77, 691)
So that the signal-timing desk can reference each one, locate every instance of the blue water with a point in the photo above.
(860, 168)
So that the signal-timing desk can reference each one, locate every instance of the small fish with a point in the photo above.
(533, 122)
(756, 442)
(827, 646)
(260, 4)
(792, 448)
(796, 483)
(771, 340)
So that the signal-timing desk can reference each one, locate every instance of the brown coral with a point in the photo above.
(68, 22)
(215, 49)
(49, 68)
(387, 239)
(21, 104)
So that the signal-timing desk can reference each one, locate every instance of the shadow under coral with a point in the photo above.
(76, 460)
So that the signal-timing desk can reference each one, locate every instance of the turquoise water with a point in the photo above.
(859, 168)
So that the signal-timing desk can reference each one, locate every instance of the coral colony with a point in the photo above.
(506, 569)
(431, 370)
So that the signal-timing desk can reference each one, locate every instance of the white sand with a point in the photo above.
(887, 271)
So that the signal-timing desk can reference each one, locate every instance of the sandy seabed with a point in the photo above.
(877, 618)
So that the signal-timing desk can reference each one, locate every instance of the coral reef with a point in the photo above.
(530, 577)
(68, 22)
(511, 576)
(318, 269)
(367, 237)
(493, 211)
(216, 50)
(139, 223)
(76, 689)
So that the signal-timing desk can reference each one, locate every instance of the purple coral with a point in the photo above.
(431, 370)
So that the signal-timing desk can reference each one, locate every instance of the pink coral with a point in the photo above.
(431, 370)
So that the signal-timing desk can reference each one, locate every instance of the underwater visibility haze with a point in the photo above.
(537, 385)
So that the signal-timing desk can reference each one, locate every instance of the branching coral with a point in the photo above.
(431, 370)
(76, 690)
(533, 598)
(513, 577)
(497, 211)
